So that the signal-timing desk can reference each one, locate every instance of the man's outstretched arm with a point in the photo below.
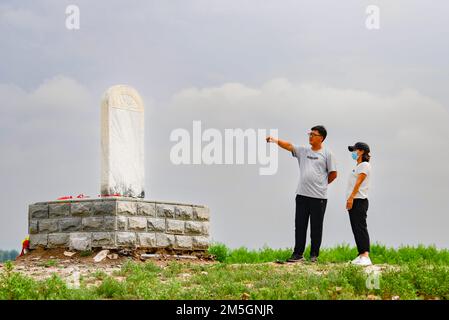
(281, 143)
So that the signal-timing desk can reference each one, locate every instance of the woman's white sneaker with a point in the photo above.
(356, 260)
(363, 261)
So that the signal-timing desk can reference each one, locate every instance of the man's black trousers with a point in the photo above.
(314, 208)
(357, 216)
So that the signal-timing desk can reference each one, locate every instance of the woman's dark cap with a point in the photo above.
(359, 146)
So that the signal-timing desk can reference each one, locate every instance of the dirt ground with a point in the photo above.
(41, 263)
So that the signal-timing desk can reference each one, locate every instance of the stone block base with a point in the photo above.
(84, 224)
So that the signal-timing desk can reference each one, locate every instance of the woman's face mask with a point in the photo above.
(354, 155)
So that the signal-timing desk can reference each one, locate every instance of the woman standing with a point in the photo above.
(357, 201)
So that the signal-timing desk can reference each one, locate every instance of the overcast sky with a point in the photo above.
(286, 65)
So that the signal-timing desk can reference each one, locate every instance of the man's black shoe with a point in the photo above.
(313, 259)
(295, 258)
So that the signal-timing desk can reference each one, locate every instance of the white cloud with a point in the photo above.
(59, 96)
(48, 142)
(407, 131)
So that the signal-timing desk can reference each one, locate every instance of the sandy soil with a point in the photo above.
(43, 263)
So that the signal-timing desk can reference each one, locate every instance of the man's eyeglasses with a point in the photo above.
(311, 134)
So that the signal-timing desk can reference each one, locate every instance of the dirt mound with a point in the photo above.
(62, 256)
(42, 263)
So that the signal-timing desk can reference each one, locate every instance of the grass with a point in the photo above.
(86, 253)
(380, 254)
(420, 273)
(49, 263)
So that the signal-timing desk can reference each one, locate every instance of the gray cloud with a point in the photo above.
(231, 64)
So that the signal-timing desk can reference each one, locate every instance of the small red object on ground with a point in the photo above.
(64, 198)
(25, 246)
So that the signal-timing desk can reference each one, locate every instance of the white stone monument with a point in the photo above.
(120, 221)
(122, 143)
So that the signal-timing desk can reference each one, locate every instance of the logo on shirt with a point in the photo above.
(312, 158)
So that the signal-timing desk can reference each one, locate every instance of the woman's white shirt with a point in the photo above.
(363, 167)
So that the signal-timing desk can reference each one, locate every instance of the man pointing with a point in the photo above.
(317, 169)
